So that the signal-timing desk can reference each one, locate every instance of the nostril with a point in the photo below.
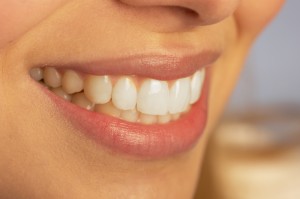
(189, 13)
(183, 10)
(161, 18)
(186, 11)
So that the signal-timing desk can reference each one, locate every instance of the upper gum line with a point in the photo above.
(181, 88)
(137, 80)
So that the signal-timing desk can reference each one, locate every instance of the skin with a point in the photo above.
(41, 156)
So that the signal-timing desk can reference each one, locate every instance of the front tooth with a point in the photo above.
(196, 85)
(98, 89)
(108, 109)
(130, 116)
(175, 116)
(52, 77)
(163, 119)
(36, 74)
(61, 93)
(148, 119)
(80, 100)
(72, 82)
(124, 94)
(179, 95)
(153, 97)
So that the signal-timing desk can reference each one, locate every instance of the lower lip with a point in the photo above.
(134, 139)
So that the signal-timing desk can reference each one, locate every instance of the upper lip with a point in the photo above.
(157, 66)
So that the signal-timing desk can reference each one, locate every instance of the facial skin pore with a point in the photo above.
(41, 156)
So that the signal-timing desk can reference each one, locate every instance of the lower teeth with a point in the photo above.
(109, 109)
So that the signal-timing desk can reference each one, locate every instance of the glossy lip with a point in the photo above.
(156, 66)
(148, 141)
(134, 139)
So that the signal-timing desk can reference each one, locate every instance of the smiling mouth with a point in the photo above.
(131, 98)
(146, 113)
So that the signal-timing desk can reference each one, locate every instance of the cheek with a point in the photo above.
(253, 15)
(17, 17)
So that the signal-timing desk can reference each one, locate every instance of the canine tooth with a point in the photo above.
(196, 85)
(61, 93)
(72, 82)
(148, 119)
(179, 95)
(130, 116)
(36, 74)
(108, 109)
(98, 89)
(163, 119)
(153, 97)
(124, 94)
(80, 100)
(52, 77)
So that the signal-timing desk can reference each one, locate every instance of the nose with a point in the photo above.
(202, 12)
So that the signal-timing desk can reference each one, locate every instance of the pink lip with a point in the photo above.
(147, 141)
(159, 66)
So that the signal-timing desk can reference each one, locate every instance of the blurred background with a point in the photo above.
(272, 73)
(254, 153)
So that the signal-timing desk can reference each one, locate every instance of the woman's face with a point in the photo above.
(154, 76)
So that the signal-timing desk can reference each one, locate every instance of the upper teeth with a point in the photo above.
(124, 94)
(94, 84)
(153, 97)
(129, 95)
